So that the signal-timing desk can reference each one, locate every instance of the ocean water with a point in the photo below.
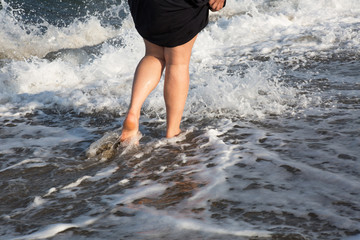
(271, 141)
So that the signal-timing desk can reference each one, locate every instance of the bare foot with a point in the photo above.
(130, 127)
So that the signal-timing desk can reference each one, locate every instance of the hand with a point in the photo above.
(216, 5)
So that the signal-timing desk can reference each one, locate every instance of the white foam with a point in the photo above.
(43, 136)
(76, 183)
(28, 163)
(20, 41)
(50, 191)
(124, 182)
(104, 82)
(258, 93)
(200, 226)
(215, 176)
(135, 193)
(95, 86)
(295, 26)
(53, 229)
(38, 201)
(48, 231)
(104, 173)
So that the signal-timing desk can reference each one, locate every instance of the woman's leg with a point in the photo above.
(176, 86)
(146, 78)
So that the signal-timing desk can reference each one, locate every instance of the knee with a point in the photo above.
(171, 60)
(177, 58)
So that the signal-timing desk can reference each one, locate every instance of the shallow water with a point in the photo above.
(271, 142)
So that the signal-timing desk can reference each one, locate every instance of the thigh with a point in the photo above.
(180, 54)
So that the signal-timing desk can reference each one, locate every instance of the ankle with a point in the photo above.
(131, 121)
(173, 133)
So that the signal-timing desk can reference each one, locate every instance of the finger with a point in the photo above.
(216, 7)
(221, 4)
(213, 5)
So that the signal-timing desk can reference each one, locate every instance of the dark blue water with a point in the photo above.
(62, 13)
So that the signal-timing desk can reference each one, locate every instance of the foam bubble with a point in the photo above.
(38, 201)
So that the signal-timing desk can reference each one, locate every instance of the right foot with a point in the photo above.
(130, 127)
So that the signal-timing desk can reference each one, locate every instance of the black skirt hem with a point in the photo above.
(172, 44)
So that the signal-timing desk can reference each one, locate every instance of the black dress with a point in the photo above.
(169, 23)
